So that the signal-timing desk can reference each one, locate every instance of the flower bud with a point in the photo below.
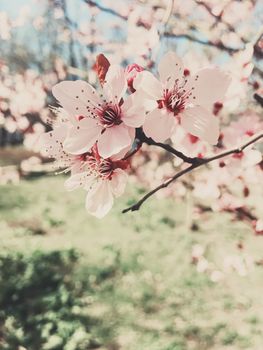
(131, 72)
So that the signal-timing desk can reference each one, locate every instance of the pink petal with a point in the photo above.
(99, 199)
(210, 86)
(122, 153)
(251, 158)
(78, 180)
(113, 140)
(201, 123)
(118, 182)
(116, 84)
(147, 82)
(159, 125)
(77, 166)
(50, 143)
(82, 136)
(76, 96)
(133, 111)
(170, 67)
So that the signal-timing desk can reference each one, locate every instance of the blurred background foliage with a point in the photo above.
(158, 280)
(176, 275)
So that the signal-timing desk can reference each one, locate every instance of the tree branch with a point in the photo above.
(217, 44)
(137, 205)
(105, 9)
(259, 99)
(140, 135)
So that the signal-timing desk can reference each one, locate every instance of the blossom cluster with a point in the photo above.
(94, 134)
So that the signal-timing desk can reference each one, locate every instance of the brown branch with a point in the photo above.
(133, 151)
(137, 205)
(217, 44)
(105, 9)
(140, 135)
(259, 99)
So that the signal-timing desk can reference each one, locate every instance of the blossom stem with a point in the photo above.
(134, 151)
(165, 184)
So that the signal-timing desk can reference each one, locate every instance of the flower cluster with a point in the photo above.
(96, 133)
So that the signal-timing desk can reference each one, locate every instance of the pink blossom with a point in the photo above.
(236, 133)
(241, 67)
(108, 120)
(241, 129)
(187, 99)
(188, 143)
(103, 179)
(51, 145)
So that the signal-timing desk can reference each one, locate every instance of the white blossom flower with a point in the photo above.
(107, 119)
(177, 96)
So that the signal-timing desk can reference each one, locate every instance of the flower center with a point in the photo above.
(110, 116)
(175, 100)
(102, 168)
(99, 167)
(105, 168)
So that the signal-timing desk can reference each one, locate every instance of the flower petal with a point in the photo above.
(133, 111)
(122, 153)
(170, 67)
(50, 143)
(113, 140)
(78, 180)
(76, 96)
(147, 82)
(118, 182)
(82, 136)
(115, 84)
(251, 158)
(159, 125)
(210, 86)
(201, 123)
(99, 199)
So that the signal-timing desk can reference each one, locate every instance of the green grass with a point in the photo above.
(143, 288)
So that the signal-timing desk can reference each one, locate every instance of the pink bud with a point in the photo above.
(131, 72)
(217, 107)
(101, 67)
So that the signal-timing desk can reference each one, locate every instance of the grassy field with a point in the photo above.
(144, 290)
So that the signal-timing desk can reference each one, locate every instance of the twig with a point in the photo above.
(137, 205)
(149, 141)
(105, 9)
(259, 99)
(217, 44)
(134, 151)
